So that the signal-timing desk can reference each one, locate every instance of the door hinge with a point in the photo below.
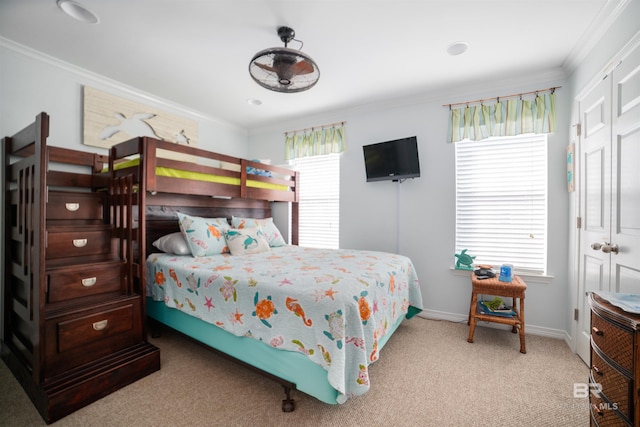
(579, 222)
(610, 67)
(579, 129)
(575, 313)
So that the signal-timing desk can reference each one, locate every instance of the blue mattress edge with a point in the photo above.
(296, 368)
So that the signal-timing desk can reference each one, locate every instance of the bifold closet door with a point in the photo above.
(609, 253)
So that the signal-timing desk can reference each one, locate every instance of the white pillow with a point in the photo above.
(173, 243)
(246, 241)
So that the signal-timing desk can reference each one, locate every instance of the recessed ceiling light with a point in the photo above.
(254, 101)
(457, 48)
(78, 11)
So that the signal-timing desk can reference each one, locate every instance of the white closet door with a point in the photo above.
(595, 203)
(625, 191)
(609, 255)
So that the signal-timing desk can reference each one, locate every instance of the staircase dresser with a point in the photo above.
(73, 316)
(615, 365)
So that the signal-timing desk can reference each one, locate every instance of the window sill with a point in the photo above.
(527, 277)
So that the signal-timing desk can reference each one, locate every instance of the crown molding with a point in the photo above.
(615, 60)
(596, 30)
(119, 88)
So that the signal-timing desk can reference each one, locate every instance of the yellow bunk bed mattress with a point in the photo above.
(199, 176)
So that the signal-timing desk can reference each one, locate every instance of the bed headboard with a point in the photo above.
(161, 212)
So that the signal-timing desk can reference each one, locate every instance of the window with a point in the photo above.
(501, 201)
(319, 200)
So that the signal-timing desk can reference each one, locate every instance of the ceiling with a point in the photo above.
(196, 53)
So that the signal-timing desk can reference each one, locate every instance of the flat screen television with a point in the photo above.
(394, 160)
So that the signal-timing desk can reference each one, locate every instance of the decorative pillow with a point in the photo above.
(205, 236)
(256, 171)
(271, 232)
(246, 241)
(221, 223)
(173, 243)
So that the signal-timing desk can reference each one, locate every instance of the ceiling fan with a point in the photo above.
(282, 69)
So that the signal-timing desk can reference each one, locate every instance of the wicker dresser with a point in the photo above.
(615, 365)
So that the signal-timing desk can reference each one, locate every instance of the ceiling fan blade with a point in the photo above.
(281, 68)
(266, 67)
(302, 67)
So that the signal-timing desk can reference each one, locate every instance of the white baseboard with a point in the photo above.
(443, 315)
(529, 329)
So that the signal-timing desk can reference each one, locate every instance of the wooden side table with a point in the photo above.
(514, 289)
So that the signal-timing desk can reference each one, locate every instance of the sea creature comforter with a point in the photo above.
(334, 306)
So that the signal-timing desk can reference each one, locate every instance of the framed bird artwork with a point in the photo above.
(110, 119)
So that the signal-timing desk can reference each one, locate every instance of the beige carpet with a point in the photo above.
(428, 375)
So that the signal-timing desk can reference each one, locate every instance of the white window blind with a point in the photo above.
(501, 201)
(319, 186)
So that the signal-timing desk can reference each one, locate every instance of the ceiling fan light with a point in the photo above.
(282, 69)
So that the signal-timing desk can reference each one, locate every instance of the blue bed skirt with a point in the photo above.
(290, 366)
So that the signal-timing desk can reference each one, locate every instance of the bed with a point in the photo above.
(169, 177)
(312, 319)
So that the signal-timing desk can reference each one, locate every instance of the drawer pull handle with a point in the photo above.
(597, 331)
(72, 206)
(99, 326)
(89, 281)
(596, 370)
(79, 243)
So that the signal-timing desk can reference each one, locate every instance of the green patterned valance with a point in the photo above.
(315, 142)
(513, 117)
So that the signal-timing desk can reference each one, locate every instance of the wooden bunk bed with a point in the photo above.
(162, 191)
(73, 314)
(169, 178)
(165, 186)
(79, 260)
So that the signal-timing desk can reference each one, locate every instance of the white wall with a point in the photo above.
(31, 82)
(417, 218)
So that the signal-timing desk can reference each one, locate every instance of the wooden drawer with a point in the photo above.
(616, 387)
(64, 243)
(82, 336)
(73, 205)
(614, 341)
(84, 280)
(77, 332)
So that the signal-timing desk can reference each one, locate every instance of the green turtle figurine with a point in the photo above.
(464, 261)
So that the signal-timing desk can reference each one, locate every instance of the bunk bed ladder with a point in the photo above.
(24, 204)
(122, 202)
